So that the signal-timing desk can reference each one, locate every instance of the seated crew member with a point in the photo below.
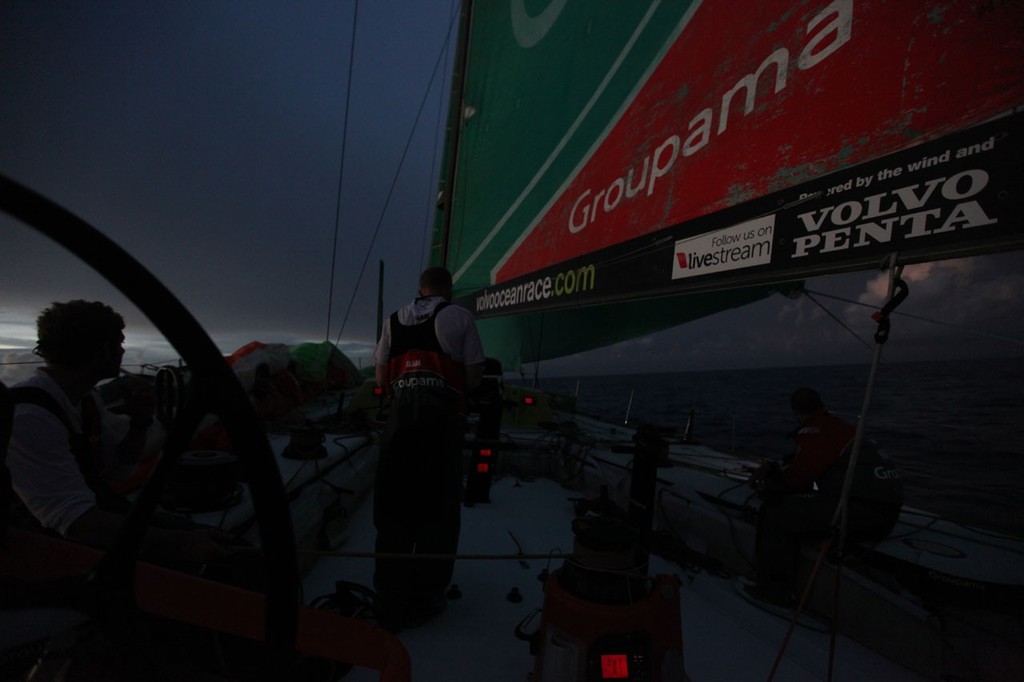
(428, 355)
(800, 499)
(63, 443)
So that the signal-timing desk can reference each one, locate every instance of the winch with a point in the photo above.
(604, 616)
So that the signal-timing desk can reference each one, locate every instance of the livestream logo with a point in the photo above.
(740, 246)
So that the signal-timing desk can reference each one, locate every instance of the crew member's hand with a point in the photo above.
(140, 399)
(764, 474)
(137, 395)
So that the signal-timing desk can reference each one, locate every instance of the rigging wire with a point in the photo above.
(341, 169)
(11, 363)
(836, 319)
(840, 520)
(394, 180)
(842, 324)
(960, 327)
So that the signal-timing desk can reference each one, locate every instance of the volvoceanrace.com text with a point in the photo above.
(563, 284)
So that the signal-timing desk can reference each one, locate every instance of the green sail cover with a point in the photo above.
(615, 161)
(323, 364)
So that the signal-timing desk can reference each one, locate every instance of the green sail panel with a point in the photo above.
(532, 337)
(530, 111)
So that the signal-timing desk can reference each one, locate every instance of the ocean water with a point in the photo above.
(954, 429)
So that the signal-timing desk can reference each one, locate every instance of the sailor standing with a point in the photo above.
(428, 356)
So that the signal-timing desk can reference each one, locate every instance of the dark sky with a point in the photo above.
(206, 139)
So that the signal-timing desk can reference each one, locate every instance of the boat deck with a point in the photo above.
(703, 503)
(474, 639)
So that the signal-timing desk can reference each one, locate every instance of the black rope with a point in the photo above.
(882, 317)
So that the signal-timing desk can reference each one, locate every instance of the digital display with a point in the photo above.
(614, 667)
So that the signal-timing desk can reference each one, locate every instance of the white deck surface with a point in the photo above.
(724, 636)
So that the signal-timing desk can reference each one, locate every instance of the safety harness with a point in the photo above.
(86, 445)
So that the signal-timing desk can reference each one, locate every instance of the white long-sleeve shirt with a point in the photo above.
(44, 473)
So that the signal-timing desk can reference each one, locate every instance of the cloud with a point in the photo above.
(980, 290)
(964, 307)
(16, 365)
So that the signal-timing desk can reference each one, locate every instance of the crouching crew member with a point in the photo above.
(800, 498)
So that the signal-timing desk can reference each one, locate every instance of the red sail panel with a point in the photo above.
(739, 109)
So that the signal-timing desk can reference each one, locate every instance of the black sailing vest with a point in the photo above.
(418, 369)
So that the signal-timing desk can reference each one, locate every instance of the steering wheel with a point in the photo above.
(169, 387)
(213, 389)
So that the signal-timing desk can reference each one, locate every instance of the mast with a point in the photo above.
(455, 118)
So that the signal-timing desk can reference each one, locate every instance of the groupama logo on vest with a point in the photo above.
(419, 380)
(419, 370)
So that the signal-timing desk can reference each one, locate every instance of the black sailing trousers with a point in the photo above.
(418, 501)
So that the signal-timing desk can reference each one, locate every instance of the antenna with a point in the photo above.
(380, 298)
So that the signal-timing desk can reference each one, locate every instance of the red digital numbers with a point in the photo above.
(614, 667)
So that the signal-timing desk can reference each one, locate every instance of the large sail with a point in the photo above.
(613, 163)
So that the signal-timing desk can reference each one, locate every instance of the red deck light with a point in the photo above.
(614, 667)
(529, 400)
(485, 452)
(483, 467)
